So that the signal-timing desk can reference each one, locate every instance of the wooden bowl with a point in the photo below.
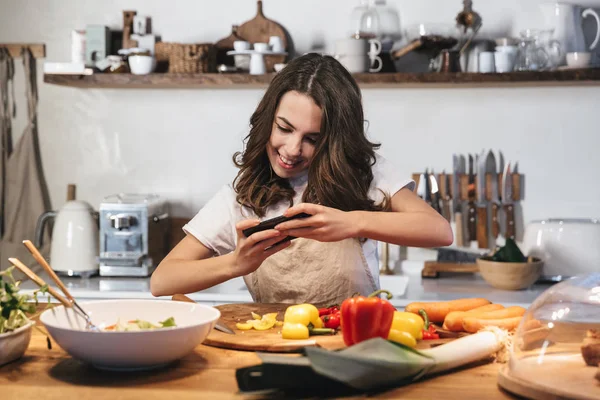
(510, 276)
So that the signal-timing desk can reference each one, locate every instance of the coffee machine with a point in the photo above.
(134, 234)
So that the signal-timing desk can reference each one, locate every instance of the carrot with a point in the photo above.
(474, 324)
(509, 312)
(453, 321)
(437, 311)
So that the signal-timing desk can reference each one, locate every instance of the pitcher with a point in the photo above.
(566, 20)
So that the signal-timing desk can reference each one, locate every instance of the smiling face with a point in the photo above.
(295, 132)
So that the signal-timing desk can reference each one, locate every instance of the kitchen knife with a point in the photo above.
(458, 169)
(445, 193)
(471, 209)
(482, 214)
(218, 326)
(428, 188)
(435, 192)
(421, 186)
(490, 167)
(507, 202)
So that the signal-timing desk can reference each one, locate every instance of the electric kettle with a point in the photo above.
(74, 245)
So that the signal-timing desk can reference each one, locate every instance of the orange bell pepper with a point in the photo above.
(364, 318)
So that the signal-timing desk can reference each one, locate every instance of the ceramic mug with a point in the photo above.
(355, 63)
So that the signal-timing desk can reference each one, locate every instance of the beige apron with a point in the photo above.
(309, 271)
(25, 195)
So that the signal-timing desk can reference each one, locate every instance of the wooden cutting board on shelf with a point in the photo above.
(259, 29)
(271, 340)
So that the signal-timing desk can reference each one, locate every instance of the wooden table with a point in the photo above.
(207, 373)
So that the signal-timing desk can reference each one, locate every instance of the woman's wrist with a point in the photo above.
(231, 265)
(357, 223)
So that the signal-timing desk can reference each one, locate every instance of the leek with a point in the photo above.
(377, 363)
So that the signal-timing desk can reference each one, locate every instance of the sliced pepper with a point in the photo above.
(364, 318)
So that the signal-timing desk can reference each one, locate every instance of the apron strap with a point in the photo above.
(29, 64)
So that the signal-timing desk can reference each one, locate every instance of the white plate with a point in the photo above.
(130, 350)
(250, 52)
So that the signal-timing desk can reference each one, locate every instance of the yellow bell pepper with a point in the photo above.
(406, 328)
(303, 314)
(402, 337)
(294, 330)
(302, 320)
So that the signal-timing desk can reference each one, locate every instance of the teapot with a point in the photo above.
(74, 245)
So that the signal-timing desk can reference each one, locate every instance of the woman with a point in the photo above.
(306, 153)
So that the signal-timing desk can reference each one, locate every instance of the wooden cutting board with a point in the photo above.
(259, 29)
(271, 340)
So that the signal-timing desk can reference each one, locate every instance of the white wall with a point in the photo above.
(179, 143)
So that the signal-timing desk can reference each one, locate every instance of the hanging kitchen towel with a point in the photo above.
(25, 192)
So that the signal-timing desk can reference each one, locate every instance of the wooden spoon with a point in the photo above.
(40, 282)
(42, 261)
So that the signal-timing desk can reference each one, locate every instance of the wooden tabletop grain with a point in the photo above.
(207, 373)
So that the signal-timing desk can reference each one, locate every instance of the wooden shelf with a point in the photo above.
(572, 77)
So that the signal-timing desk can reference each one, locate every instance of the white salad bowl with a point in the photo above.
(130, 350)
(14, 344)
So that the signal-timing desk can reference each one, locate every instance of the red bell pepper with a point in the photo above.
(364, 318)
(429, 332)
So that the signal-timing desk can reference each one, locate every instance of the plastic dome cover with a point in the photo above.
(556, 348)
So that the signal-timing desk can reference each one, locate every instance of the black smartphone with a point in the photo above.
(272, 223)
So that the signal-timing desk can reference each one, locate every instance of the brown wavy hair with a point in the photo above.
(339, 175)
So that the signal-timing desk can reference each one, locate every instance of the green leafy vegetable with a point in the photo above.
(16, 309)
(510, 252)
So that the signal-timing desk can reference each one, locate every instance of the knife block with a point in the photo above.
(518, 185)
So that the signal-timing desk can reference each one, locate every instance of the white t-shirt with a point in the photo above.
(214, 225)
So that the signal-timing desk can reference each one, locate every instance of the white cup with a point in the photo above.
(262, 47)
(276, 44)
(241, 62)
(351, 47)
(486, 62)
(141, 65)
(508, 49)
(241, 45)
(355, 63)
(503, 61)
(578, 59)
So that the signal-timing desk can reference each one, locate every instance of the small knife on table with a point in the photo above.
(507, 202)
(482, 215)
(219, 325)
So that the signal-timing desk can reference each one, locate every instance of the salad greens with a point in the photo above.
(138, 325)
(510, 252)
(16, 308)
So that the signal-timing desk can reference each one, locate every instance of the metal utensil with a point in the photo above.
(40, 259)
(482, 217)
(458, 169)
(490, 167)
(445, 194)
(435, 192)
(471, 209)
(218, 326)
(467, 17)
(507, 202)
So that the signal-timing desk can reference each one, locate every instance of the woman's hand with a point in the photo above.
(325, 224)
(251, 251)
